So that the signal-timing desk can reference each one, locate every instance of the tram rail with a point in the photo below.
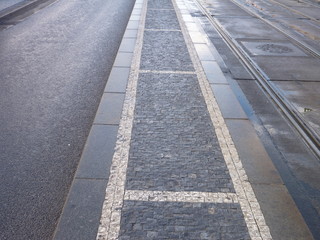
(296, 11)
(302, 45)
(309, 135)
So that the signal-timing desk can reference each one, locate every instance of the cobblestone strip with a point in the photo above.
(111, 211)
(194, 197)
(249, 205)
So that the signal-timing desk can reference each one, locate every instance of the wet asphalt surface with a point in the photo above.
(54, 66)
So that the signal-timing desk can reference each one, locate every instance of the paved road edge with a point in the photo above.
(80, 216)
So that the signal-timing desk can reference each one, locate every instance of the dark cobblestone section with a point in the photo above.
(173, 146)
(165, 51)
(160, 4)
(159, 50)
(173, 220)
(162, 19)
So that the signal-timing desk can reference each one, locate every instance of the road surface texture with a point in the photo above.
(54, 66)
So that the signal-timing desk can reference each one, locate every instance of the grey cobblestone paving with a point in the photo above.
(160, 4)
(180, 151)
(157, 43)
(172, 220)
(162, 19)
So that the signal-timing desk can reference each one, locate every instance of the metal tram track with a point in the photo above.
(310, 2)
(304, 129)
(296, 11)
(302, 45)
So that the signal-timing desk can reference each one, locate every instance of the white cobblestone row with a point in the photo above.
(111, 211)
(162, 30)
(250, 207)
(194, 197)
(166, 72)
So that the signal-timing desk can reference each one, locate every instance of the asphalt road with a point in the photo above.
(53, 69)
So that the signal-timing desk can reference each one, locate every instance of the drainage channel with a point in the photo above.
(309, 135)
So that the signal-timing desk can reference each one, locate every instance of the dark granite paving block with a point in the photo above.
(118, 79)
(160, 4)
(228, 102)
(110, 108)
(172, 220)
(165, 50)
(162, 19)
(81, 215)
(228, 11)
(293, 68)
(236, 68)
(180, 150)
(210, 31)
(97, 155)
(250, 28)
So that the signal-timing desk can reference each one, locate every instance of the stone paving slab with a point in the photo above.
(98, 152)
(118, 79)
(256, 160)
(251, 28)
(228, 103)
(230, 12)
(286, 213)
(213, 72)
(237, 70)
(290, 69)
(109, 111)
(82, 210)
(123, 60)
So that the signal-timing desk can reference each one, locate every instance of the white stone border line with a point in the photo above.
(167, 72)
(191, 197)
(253, 216)
(162, 30)
(111, 211)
